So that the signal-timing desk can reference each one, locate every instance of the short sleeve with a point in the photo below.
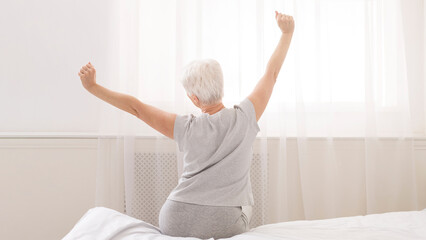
(248, 108)
(181, 126)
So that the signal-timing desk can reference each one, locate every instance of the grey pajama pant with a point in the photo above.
(181, 219)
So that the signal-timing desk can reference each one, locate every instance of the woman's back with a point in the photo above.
(217, 156)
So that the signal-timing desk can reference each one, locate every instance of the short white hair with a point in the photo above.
(204, 79)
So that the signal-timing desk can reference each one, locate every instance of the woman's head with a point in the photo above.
(204, 79)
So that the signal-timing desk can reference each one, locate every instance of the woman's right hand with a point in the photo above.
(87, 76)
(285, 22)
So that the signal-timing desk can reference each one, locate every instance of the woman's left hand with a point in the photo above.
(87, 75)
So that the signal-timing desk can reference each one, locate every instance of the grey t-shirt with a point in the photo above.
(217, 153)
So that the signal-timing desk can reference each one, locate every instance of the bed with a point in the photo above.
(103, 223)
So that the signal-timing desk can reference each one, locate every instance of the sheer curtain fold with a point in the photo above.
(116, 141)
(337, 136)
(387, 64)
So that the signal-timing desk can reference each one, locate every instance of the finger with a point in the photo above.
(86, 68)
(82, 71)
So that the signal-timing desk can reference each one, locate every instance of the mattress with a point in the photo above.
(103, 223)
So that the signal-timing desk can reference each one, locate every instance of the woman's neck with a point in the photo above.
(212, 109)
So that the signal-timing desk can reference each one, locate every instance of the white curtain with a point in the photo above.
(337, 136)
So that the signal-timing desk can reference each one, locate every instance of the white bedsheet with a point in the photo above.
(103, 223)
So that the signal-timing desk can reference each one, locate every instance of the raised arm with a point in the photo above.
(263, 90)
(156, 118)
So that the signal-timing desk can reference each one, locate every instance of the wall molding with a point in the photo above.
(67, 141)
(47, 143)
(84, 135)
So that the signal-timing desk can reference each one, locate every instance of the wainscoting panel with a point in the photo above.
(46, 185)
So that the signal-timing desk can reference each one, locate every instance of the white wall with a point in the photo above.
(43, 44)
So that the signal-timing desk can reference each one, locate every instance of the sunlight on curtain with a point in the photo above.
(345, 77)
(327, 57)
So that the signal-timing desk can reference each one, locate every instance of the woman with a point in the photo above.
(214, 197)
